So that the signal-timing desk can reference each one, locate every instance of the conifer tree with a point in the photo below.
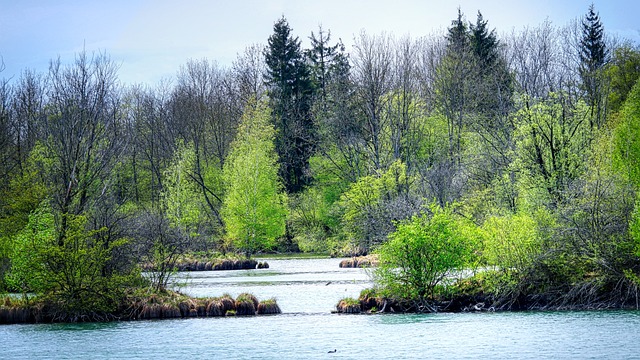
(593, 56)
(453, 81)
(290, 92)
(484, 42)
(321, 57)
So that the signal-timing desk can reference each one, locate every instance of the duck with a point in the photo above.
(333, 351)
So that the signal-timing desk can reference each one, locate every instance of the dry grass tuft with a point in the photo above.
(349, 306)
(268, 307)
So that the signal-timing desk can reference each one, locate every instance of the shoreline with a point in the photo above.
(135, 307)
(368, 304)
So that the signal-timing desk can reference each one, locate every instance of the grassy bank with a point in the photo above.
(488, 291)
(210, 261)
(138, 305)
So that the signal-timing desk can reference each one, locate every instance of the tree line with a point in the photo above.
(531, 137)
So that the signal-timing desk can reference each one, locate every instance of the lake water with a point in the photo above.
(307, 291)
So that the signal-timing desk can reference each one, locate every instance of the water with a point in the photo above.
(307, 330)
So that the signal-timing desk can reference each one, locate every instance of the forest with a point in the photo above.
(518, 154)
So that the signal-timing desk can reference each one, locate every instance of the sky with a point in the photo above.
(151, 39)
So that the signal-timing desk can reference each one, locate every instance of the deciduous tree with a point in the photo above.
(255, 206)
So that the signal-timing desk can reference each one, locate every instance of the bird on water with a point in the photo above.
(332, 351)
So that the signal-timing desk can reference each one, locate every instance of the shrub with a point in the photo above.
(421, 253)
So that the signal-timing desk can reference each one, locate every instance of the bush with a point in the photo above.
(421, 253)
(71, 270)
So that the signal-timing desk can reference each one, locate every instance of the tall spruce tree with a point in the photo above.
(458, 35)
(484, 42)
(593, 56)
(453, 80)
(321, 57)
(494, 86)
(290, 92)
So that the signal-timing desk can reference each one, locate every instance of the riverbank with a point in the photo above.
(208, 262)
(139, 305)
(475, 295)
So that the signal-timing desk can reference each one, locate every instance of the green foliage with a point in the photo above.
(24, 193)
(314, 218)
(364, 198)
(28, 272)
(255, 208)
(634, 228)
(422, 253)
(75, 277)
(552, 144)
(627, 138)
(622, 72)
(511, 242)
(310, 219)
(180, 196)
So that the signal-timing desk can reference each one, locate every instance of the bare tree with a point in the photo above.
(83, 132)
(405, 107)
(207, 121)
(158, 246)
(373, 74)
(247, 73)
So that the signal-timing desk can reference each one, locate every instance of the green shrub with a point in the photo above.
(422, 253)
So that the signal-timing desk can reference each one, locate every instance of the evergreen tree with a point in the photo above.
(290, 91)
(491, 104)
(453, 81)
(484, 42)
(494, 86)
(321, 56)
(593, 56)
(458, 35)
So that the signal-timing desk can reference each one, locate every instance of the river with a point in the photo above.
(307, 290)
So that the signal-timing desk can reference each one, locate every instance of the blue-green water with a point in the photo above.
(307, 330)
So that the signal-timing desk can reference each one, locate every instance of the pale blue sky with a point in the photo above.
(150, 39)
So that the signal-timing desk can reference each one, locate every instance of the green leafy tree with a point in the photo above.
(627, 153)
(634, 229)
(255, 208)
(71, 277)
(421, 254)
(28, 272)
(181, 196)
(21, 197)
(363, 203)
(511, 242)
(622, 73)
(627, 138)
(552, 141)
